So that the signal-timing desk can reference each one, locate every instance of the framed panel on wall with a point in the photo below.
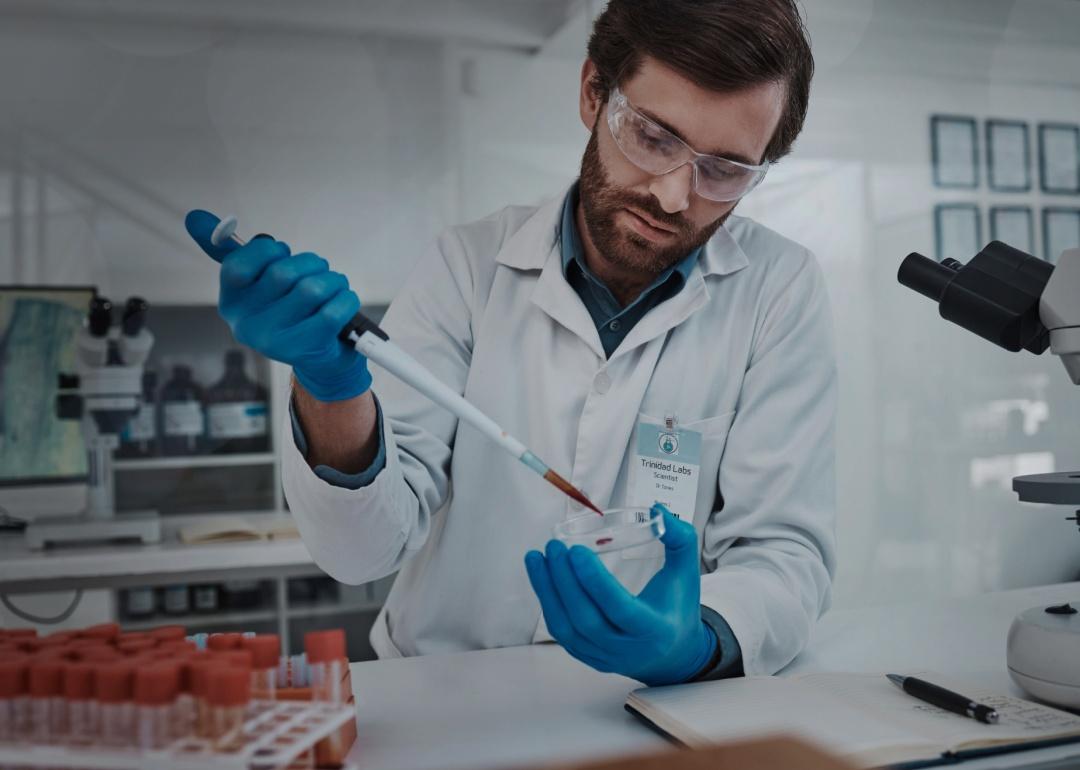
(1059, 158)
(1008, 155)
(1013, 225)
(957, 231)
(1061, 231)
(955, 151)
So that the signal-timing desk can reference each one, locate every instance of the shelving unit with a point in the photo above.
(195, 461)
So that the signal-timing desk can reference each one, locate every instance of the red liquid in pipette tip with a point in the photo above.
(571, 490)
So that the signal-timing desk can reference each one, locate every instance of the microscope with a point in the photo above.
(103, 394)
(1020, 302)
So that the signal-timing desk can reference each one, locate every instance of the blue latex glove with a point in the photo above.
(289, 308)
(656, 637)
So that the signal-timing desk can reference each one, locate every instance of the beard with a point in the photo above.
(601, 201)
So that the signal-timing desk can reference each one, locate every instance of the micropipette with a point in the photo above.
(372, 342)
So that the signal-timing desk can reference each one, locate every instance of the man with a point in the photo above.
(636, 335)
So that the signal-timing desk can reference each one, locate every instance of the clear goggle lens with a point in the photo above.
(657, 151)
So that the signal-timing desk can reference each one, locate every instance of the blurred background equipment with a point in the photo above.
(102, 393)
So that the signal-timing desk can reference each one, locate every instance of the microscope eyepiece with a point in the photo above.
(995, 295)
(134, 316)
(99, 317)
(926, 276)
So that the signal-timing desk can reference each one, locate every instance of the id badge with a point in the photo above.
(666, 467)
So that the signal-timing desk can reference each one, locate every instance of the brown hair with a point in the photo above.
(721, 45)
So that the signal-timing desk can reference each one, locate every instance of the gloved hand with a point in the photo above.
(656, 637)
(289, 308)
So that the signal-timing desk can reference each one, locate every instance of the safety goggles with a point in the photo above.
(657, 151)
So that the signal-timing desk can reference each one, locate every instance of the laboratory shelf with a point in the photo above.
(195, 461)
(241, 617)
(225, 618)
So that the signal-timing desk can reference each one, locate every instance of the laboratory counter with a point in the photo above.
(23, 570)
(537, 706)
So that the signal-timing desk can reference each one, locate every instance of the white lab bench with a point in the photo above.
(538, 706)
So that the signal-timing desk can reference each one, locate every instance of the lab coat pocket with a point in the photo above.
(713, 432)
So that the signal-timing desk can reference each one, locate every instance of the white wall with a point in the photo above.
(335, 144)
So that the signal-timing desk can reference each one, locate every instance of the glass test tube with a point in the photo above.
(47, 708)
(156, 687)
(229, 695)
(328, 665)
(82, 709)
(13, 702)
(265, 655)
(112, 687)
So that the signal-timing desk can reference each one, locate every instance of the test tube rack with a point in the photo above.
(274, 735)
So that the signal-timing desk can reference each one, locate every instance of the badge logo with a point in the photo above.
(669, 443)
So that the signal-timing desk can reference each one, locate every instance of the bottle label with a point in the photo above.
(242, 419)
(141, 426)
(182, 418)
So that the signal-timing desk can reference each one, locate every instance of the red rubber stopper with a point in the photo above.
(13, 680)
(265, 650)
(168, 633)
(108, 631)
(46, 678)
(79, 681)
(157, 685)
(324, 646)
(112, 682)
(230, 687)
(224, 641)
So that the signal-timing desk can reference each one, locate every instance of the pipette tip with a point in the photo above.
(569, 489)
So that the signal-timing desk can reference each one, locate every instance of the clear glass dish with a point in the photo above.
(616, 529)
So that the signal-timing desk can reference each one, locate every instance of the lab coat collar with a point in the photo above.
(530, 247)
(535, 246)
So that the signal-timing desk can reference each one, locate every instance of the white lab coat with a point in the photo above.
(743, 354)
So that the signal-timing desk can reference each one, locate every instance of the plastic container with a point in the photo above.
(139, 436)
(236, 411)
(182, 419)
(615, 530)
(175, 600)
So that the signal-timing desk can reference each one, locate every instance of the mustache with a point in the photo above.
(648, 205)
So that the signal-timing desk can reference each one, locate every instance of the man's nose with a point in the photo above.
(672, 190)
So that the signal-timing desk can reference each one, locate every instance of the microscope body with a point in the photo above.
(103, 393)
(1020, 302)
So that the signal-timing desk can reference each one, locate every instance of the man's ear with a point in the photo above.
(590, 101)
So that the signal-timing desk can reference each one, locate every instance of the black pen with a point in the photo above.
(946, 699)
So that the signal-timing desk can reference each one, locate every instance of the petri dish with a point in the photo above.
(616, 529)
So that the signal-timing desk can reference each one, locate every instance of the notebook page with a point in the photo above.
(1019, 719)
(732, 709)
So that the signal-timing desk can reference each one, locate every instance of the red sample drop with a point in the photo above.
(604, 541)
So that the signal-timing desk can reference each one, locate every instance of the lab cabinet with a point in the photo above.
(235, 471)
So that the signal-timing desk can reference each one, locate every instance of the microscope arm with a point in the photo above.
(1059, 311)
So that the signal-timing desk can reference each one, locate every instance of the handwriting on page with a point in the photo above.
(1025, 715)
(1015, 714)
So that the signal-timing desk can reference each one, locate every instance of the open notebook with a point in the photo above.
(863, 718)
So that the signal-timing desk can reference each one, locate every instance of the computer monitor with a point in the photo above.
(43, 460)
